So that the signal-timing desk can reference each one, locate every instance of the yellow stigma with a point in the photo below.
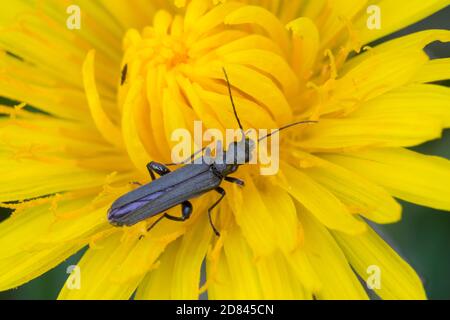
(160, 44)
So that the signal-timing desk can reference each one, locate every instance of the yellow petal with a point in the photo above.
(188, 262)
(25, 179)
(277, 68)
(158, 283)
(201, 109)
(241, 265)
(214, 42)
(34, 239)
(378, 130)
(47, 140)
(288, 10)
(49, 76)
(405, 174)
(341, 12)
(381, 69)
(434, 70)
(253, 83)
(194, 11)
(176, 113)
(22, 268)
(200, 23)
(419, 100)
(154, 83)
(177, 276)
(115, 266)
(251, 114)
(304, 270)
(248, 42)
(325, 255)
(401, 47)
(108, 130)
(278, 280)
(263, 18)
(98, 268)
(284, 215)
(398, 280)
(305, 43)
(43, 136)
(219, 281)
(319, 201)
(162, 22)
(133, 143)
(397, 14)
(254, 218)
(359, 194)
(135, 14)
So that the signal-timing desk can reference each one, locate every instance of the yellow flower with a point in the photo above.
(297, 235)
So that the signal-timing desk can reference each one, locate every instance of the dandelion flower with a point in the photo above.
(300, 234)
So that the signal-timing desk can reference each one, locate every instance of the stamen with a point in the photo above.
(17, 110)
(354, 42)
(100, 236)
(330, 55)
(315, 114)
(213, 256)
(20, 206)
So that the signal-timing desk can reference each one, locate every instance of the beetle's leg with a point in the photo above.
(154, 224)
(159, 168)
(222, 195)
(235, 180)
(150, 171)
(186, 211)
(136, 183)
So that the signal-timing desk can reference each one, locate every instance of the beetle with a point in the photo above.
(174, 188)
(123, 76)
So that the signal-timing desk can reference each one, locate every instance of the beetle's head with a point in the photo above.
(240, 152)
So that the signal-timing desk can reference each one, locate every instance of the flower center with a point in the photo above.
(173, 74)
(165, 50)
(155, 46)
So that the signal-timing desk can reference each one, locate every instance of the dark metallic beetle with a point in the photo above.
(190, 181)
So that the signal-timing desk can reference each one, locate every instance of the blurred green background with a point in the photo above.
(422, 237)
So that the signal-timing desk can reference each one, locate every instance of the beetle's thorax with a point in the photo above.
(238, 153)
(222, 170)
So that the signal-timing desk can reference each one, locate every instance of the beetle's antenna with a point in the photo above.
(155, 223)
(232, 102)
(188, 160)
(287, 127)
